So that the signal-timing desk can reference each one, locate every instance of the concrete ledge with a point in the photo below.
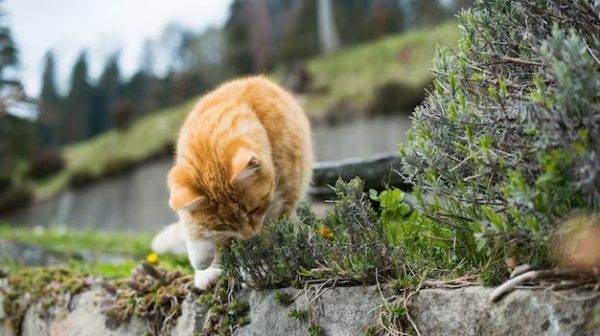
(347, 311)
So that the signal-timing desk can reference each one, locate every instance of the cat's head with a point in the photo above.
(221, 201)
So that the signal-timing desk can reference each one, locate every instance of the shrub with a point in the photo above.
(45, 163)
(122, 114)
(14, 198)
(508, 141)
(117, 166)
(6, 182)
(349, 245)
(394, 97)
(80, 178)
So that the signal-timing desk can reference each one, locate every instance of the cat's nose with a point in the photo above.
(247, 233)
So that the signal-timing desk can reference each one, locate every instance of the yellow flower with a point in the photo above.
(326, 232)
(152, 258)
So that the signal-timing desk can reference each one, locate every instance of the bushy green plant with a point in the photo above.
(349, 245)
(509, 139)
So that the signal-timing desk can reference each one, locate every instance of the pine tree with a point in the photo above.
(238, 51)
(301, 39)
(48, 122)
(15, 135)
(105, 95)
(9, 55)
(77, 104)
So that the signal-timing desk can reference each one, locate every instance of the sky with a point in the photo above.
(100, 26)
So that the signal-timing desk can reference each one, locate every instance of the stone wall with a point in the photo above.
(136, 201)
(347, 311)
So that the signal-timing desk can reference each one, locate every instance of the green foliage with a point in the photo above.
(48, 121)
(282, 298)
(314, 330)
(597, 313)
(226, 312)
(297, 314)
(9, 54)
(507, 142)
(77, 110)
(348, 245)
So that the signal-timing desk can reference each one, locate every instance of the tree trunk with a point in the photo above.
(328, 36)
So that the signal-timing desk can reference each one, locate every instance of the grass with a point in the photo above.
(350, 76)
(67, 241)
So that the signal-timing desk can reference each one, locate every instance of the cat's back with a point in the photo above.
(275, 108)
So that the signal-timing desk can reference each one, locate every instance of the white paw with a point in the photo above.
(200, 252)
(170, 240)
(206, 278)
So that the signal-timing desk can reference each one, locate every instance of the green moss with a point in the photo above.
(226, 312)
(47, 286)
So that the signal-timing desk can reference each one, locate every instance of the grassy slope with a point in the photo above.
(350, 76)
(144, 138)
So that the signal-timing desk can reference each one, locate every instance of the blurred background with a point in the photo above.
(93, 92)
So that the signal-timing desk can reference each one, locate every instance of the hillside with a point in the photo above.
(347, 78)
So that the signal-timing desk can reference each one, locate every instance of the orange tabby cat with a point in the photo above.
(244, 156)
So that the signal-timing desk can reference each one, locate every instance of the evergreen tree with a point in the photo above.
(48, 122)
(77, 104)
(238, 49)
(9, 55)
(136, 89)
(301, 39)
(105, 94)
(15, 133)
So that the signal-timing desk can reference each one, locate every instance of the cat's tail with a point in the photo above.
(170, 240)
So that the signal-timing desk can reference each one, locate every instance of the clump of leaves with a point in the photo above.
(315, 330)
(282, 298)
(226, 312)
(508, 141)
(153, 294)
(297, 314)
(44, 285)
(348, 245)
(394, 320)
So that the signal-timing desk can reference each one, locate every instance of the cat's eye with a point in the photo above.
(256, 211)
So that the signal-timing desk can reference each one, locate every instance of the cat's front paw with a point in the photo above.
(201, 253)
(205, 278)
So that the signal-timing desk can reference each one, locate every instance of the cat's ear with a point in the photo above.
(183, 195)
(184, 199)
(244, 165)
